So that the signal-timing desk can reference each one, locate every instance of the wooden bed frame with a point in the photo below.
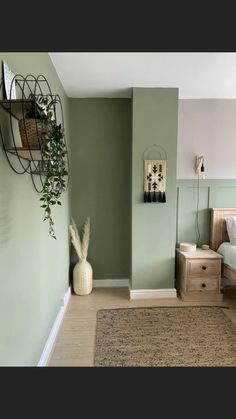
(219, 235)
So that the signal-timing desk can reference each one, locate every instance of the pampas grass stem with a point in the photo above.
(81, 247)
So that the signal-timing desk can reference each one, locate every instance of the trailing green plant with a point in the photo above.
(53, 150)
(42, 107)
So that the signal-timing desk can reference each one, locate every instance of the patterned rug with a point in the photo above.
(164, 337)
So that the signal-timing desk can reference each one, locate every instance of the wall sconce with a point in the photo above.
(199, 167)
(200, 171)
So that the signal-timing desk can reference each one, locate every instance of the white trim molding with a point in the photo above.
(110, 283)
(54, 331)
(156, 293)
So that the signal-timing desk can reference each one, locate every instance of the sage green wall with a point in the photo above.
(33, 266)
(213, 193)
(155, 113)
(101, 180)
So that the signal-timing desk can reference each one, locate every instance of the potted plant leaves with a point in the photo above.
(49, 137)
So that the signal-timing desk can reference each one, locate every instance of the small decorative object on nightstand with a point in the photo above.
(205, 247)
(198, 275)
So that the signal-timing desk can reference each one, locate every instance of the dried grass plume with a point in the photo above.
(81, 247)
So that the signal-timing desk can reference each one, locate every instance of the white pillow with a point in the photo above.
(231, 228)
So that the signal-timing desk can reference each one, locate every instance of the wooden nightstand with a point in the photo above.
(198, 275)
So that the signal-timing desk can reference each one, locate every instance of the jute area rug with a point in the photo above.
(164, 337)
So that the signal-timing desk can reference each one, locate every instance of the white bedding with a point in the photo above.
(228, 251)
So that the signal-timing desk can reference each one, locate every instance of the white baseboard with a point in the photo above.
(104, 283)
(54, 331)
(156, 293)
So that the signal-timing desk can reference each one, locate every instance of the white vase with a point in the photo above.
(82, 278)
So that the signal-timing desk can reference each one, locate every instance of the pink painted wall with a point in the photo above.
(208, 127)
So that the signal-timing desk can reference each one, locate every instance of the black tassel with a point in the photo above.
(164, 197)
(159, 198)
(145, 197)
(149, 197)
(154, 197)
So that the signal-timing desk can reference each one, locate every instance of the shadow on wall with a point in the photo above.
(73, 261)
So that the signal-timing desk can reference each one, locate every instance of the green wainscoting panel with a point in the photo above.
(213, 193)
(187, 230)
(223, 196)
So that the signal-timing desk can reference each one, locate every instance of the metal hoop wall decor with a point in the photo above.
(154, 174)
(23, 156)
(28, 159)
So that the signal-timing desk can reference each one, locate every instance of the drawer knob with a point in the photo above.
(203, 285)
(204, 268)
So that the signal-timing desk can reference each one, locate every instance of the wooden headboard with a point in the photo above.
(218, 226)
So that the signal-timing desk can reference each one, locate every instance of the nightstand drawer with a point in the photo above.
(204, 268)
(203, 285)
(198, 275)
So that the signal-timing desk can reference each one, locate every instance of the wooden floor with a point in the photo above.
(75, 341)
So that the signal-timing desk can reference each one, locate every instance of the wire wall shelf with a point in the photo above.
(22, 155)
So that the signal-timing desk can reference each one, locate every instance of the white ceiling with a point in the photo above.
(197, 75)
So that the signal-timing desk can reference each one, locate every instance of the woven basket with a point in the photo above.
(30, 131)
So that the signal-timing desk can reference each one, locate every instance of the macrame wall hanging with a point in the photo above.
(154, 175)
